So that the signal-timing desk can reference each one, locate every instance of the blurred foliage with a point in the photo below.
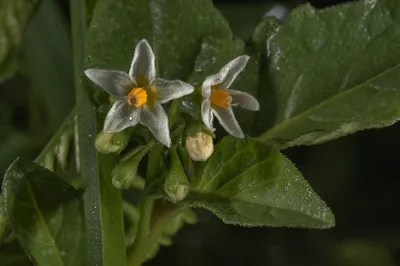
(14, 16)
(36, 100)
(356, 175)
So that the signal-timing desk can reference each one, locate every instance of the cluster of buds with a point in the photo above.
(139, 96)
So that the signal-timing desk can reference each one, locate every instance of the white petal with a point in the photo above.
(230, 71)
(244, 100)
(206, 114)
(116, 83)
(208, 82)
(228, 121)
(156, 120)
(121, 116)
(143, 67)
(171, 89)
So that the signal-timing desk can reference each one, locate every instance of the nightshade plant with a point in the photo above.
(319, 75)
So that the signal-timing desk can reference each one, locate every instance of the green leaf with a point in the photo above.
(14, 16)
(46, 58)
(251, 184)
(330, 73)
(243, 17)
(13, 255)
(13, 145)
(89, 7)
(9, 65)
(45, 213)
(178, 31)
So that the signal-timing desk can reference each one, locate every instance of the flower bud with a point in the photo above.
(112, 142)
(125, 172)
(177, 192)
(200, 146)
(176, 184)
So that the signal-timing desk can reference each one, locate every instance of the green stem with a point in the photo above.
(102, 202)
(67, 125)
(151, 227)
(140, 246)
(167, 213)
(144, 239)
(3, 228)
(132, 214)
(173, 112)
(138, 183)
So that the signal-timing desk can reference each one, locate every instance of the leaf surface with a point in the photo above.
(45, 213)
(14, 17)
(251, 184)
(330, 72)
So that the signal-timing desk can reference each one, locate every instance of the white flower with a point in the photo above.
(218, 99)
(139, 94)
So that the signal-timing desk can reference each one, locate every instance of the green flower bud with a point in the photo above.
(176, 184)
(177, 192)
(200, 147)
(112, 142)
(125, 172)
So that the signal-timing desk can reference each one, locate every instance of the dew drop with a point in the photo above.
(130, 118)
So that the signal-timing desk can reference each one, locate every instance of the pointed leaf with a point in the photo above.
(331, 72)
(250, 184)
(45, 213)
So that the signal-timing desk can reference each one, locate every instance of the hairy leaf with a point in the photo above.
(250, 184)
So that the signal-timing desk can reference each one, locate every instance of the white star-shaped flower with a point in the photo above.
(218, 99)
(139, 94)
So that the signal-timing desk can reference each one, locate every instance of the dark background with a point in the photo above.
(358, 175)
